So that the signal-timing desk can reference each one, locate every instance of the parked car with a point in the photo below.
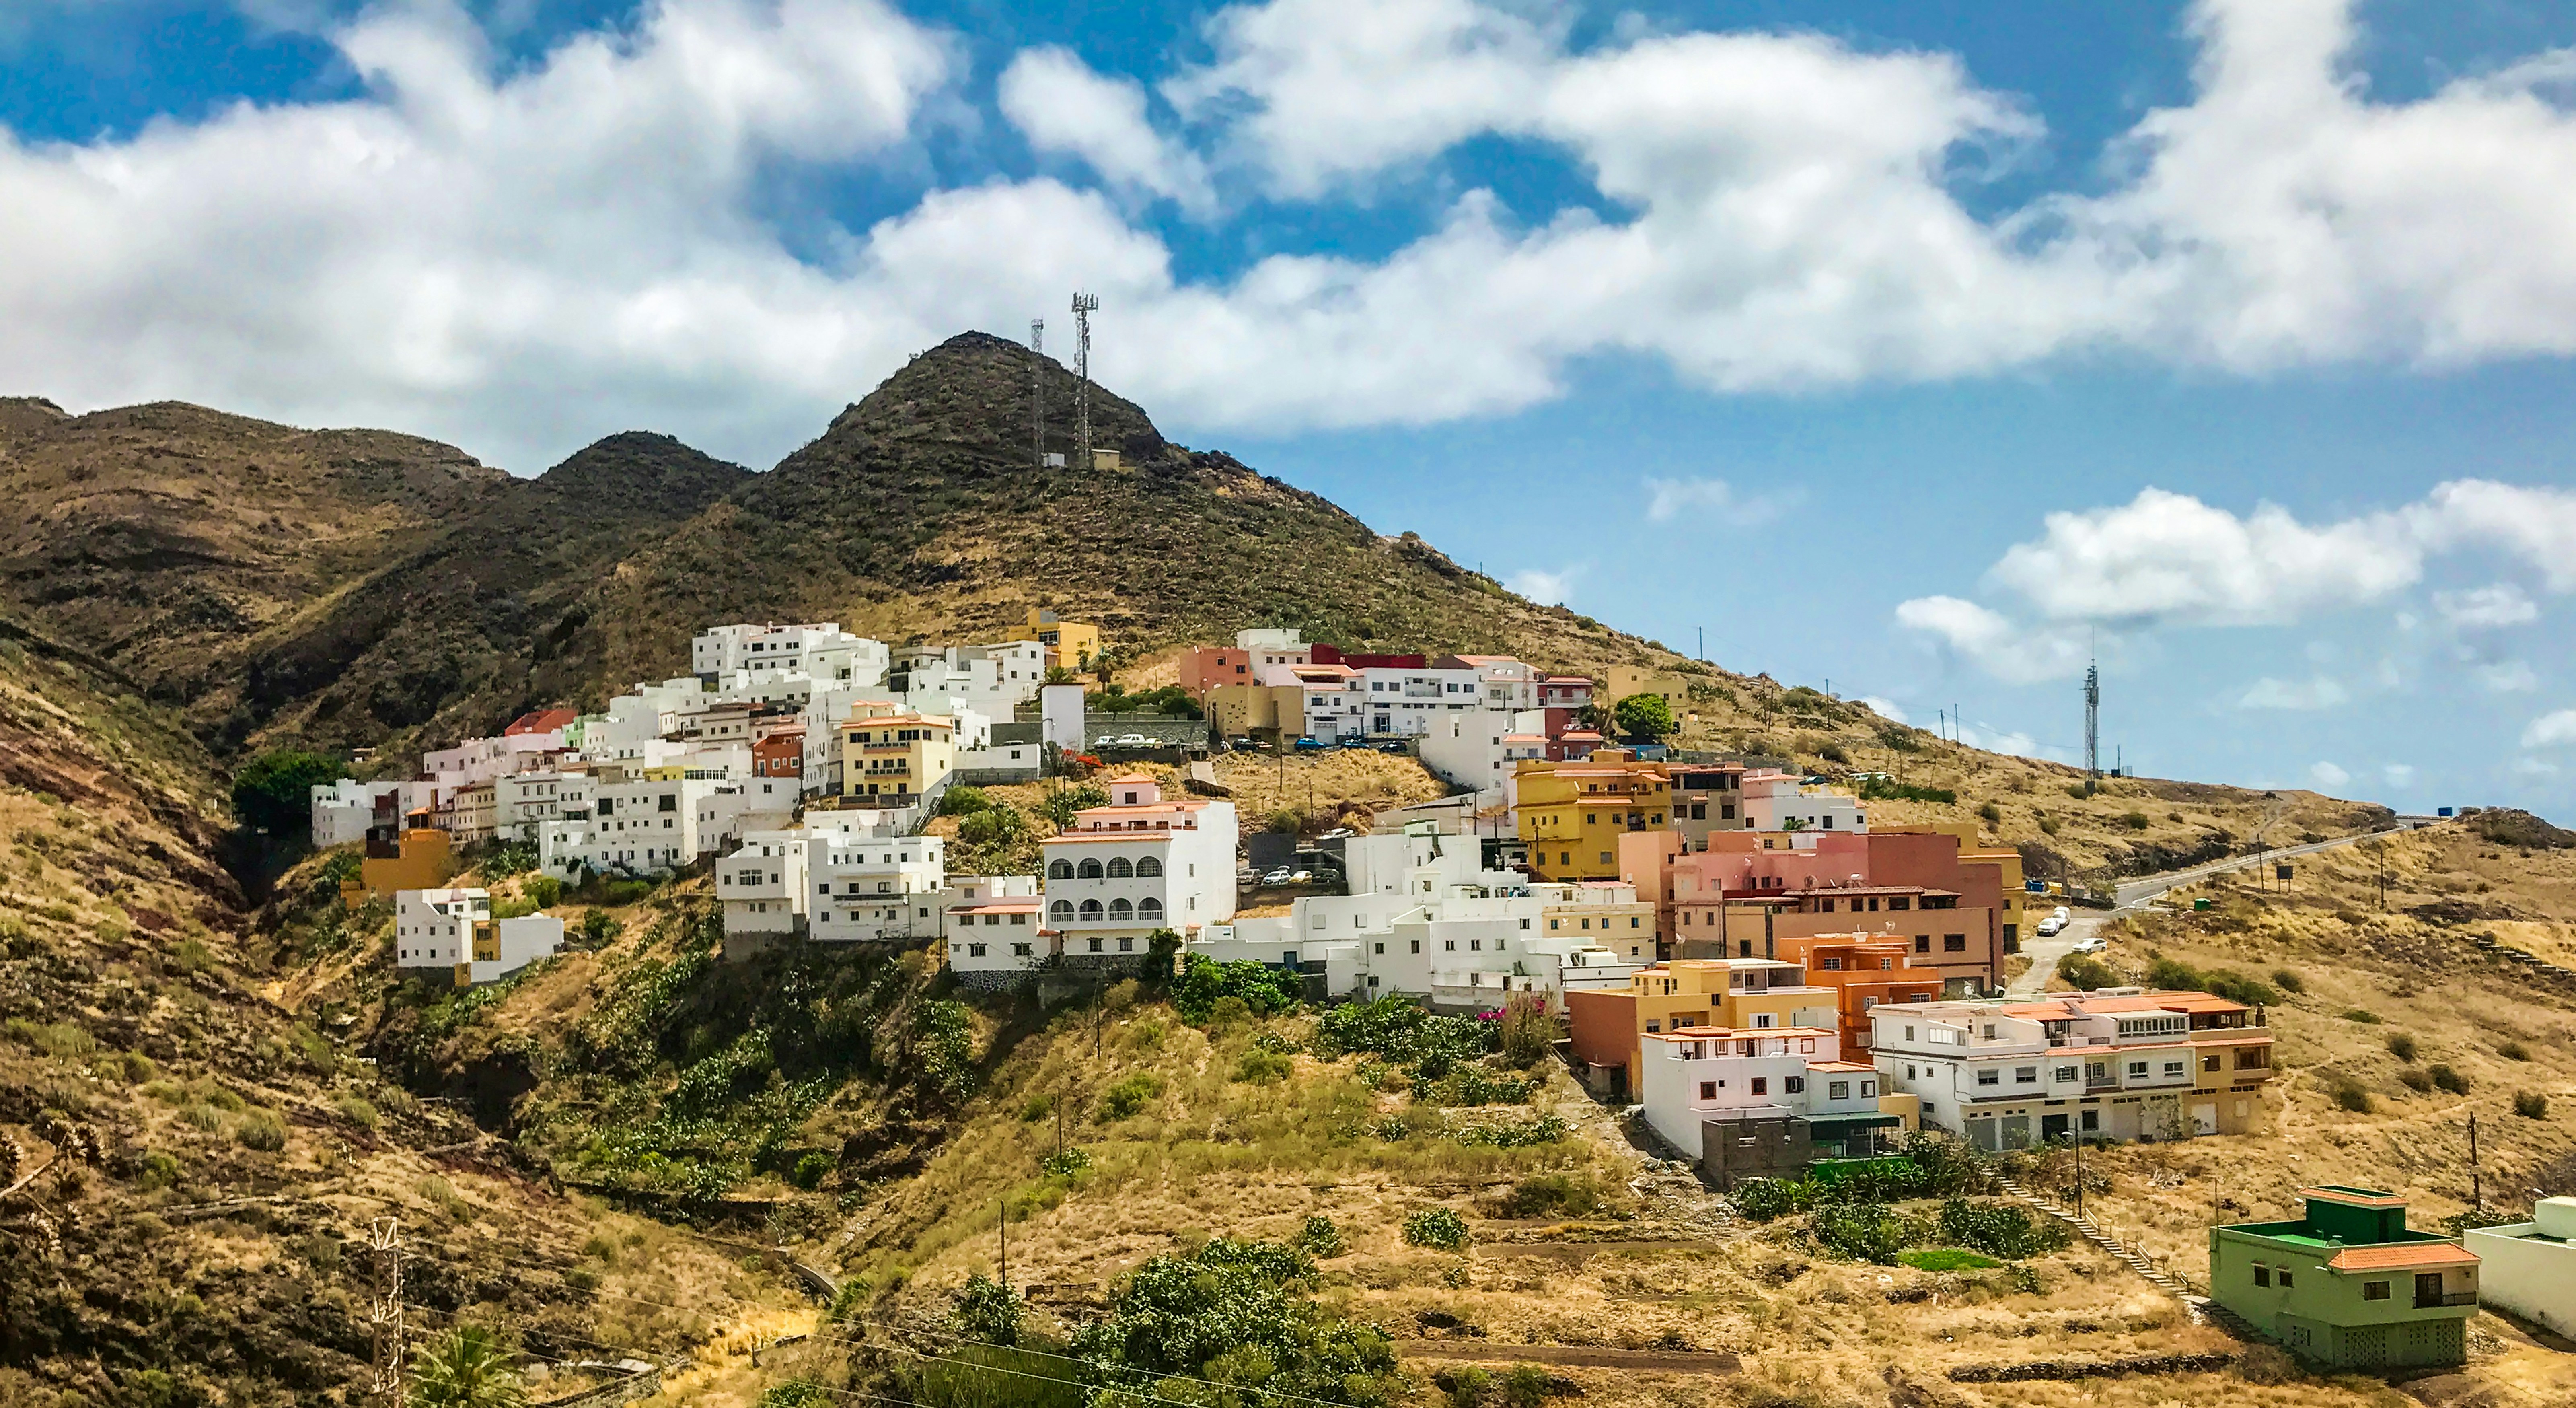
(1276, 877)
(1311, 745)
(2051, 926)
(1393, 748)
(2091, 943)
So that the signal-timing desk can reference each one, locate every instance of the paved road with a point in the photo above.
(2134, 895)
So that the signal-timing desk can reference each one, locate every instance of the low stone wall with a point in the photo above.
(2090, 1368)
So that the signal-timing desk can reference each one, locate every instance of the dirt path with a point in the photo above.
(1669, 1361)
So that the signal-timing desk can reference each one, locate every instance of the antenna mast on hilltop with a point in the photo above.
(1084, 305)
(2093, 719)
(1037, 394)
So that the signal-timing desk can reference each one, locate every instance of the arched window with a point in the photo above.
(1091, 911)
(1061, 912)
(1060, 870)
(1089, 869)
(1119, 869)
(1149, 909)
(1149, 867)
(1120, 912)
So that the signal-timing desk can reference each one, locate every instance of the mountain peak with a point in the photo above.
(639, 470)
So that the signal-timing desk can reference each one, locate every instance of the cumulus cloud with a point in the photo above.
(2487, 608)
(2508, 677)
(2317, 692)
(522, 256)
(2016, 653)
(1887, 709)
(1669, 499)
(1062, 106)
(2553, 730)
(2327, 775)
(1545, 588)
(2166, 559)
(1995, 740)
(2399, 774)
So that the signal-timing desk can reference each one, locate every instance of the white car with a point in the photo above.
(2052, 926)
(2091, 943)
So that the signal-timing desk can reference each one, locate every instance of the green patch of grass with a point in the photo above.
(2362, 1015)
(1947, 1259)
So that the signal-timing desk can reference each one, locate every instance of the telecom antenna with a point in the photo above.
(1084, 305)
(2093, 720)
(1037, 394)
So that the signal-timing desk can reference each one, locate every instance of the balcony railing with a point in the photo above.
(2424, 1302)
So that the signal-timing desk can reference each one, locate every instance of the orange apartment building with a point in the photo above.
(1606, 1025)
(1862, 970)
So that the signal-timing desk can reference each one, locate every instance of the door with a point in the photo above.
(2428, 1289)
(2016, 1131)
(2052, 1128)
(2204, 1117)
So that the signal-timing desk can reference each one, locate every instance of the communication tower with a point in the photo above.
(1084, 305)
(2093, 719)
(1037, 393)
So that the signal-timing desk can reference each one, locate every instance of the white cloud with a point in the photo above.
(2328, 775)
(1668, 499)
(1062, 106)
(2316, 692)
(1887, 709)
(2019, 654)
(2551, 730)
(2534, 767)
(1545, 588)
(522, 257)
(2399, 774)
(2486, 608)
(2508, 677)
(1995, 740)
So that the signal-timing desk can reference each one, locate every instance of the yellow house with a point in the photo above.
(1608, 1026)
(1671, 686)
(894, 760)
(1242, 708)
(1072, 644)
(2007, 863)
(423, 859)
(1572, 814)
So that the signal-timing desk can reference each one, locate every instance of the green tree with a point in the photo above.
(963, 799)
(1062, 803)
(274, 791)
(466, 1368)
(1238, 1314)
(1645, 716)
(987, 1310)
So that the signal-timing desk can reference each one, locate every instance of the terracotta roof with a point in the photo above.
(1004, 906)
(1163, 833)
(2390, 1256)
(2251, 1036)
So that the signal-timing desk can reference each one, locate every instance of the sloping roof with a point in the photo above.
(2391, 1256)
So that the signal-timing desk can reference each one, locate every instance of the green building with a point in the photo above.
(2347, 1285)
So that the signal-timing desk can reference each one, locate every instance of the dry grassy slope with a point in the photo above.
(131, 1001)
(2416, 968)
(159, 537)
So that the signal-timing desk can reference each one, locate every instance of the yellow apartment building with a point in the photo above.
(894, 760)
(423, 858)
(1671, 686)
(1572, 814)
(1072, 644)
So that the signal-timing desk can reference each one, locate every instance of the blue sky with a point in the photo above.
(1914, 347)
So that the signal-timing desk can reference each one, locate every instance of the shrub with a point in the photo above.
(1129, 1094)
(2079, 790)
(2514, 1051)
(1551, 1195)
(2444, 1078)
(599, 929)
(2416, 1081)
(1860, 1231)
(468, 1367)
(1947, 1259)
(1037, 1108)
(2288, 980)
(1065, 1162)
(1647, 716)
(987, 1311)
(2347, 1094)
(1263, 1068)
(2002, 1229)
(2401, 1046)
(812, 1169)
(2362, 1015)
(1320, 1238)
(1528, 1031)
(2048, 826)
(1470, 1085)
(963, 799)
(2135, 821)
(1990, 814)
(1062, 803)
(997, 825)
(261, 1131)
(1262, 989)
(1436, 1227)
(2084, 971)
(543, 891)
(159, 1171)
(2531, 1104)
(1764, 1199)
(357, 1111)
(1287, 821)
(1834, 753)
(1234, 1313)
(1880, 789)
(797, 1393)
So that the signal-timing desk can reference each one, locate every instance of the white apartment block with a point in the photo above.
(1142, 863)
(2116, 1063)
(991, 680)
(634, 826)
(761, 884)
(1697, 1074)
(1501, 681)
(861, 887)
(738, 808)
(1479, 748)
(819, 651)
(994, 932)
(1773, 801)
(450, 936)
(1408, 703)
(1274, 646)
(1424, 919)
(524, 802)
(343, 810)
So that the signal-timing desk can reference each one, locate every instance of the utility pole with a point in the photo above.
(385, 1316)
(2476, 1203)
(1005, 1225)
(1084, 305)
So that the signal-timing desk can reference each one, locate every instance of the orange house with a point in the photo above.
(1864, 970)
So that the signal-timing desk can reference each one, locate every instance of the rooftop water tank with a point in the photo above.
(2557, 1217)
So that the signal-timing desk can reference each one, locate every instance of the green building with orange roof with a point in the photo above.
(2347, 1285)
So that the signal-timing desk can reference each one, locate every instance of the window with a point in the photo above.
(1708, 1090)
(1119, 869)
(2209, 1063)
(1060, 870)
(1088, 870)
(2263, 1275)
(2374, 1290)
(2025, 1075)
(1838, 1090)
(1149, 908)
(2066, 1073)
(1149, 868)
(1923, 943)
(2137, 1070)
(1096, 944)
(1120, 911)
(1126, 945)
(1654, 1026)
(2174, 1068)
(1019, 950)
(1091, 911)
(2286, 1282)
(974, 950)
(1990, 1077)
(1761, 1085)
(1954, 943)
(1449, 945)
(1794, 1085)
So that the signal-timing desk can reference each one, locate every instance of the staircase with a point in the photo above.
(2084, 1227)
